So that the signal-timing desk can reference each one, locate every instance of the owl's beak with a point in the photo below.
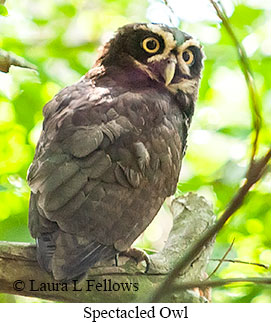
(169, 70)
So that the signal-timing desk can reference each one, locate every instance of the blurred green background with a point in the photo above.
(61, 38)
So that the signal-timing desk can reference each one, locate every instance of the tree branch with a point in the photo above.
(8, 59)
(192, 215)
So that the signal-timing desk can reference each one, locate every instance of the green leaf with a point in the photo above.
(235, 131)
(3, 10)
(3, 188)
(24, 75)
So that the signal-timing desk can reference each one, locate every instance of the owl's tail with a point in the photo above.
(69, 257)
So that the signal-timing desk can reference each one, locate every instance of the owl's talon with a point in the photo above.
(116, 259)
(138, 255)
(147, 266)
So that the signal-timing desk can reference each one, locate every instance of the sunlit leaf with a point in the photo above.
(3, 10)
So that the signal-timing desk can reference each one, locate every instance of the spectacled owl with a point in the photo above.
(111, 148)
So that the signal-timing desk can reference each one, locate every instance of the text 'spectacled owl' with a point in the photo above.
(111, 148)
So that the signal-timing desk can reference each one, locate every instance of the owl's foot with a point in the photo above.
(138, 255)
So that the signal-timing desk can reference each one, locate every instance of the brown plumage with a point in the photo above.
(111, 148)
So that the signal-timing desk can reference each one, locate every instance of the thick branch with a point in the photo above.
(8, 59)
(192, 215)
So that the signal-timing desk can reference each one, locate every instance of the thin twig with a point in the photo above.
(221, 282)
(245, 65)
(172, 11)
(243, 262)
(221, 261)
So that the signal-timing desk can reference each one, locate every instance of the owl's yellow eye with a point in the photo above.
(151, 45)
(188, 56)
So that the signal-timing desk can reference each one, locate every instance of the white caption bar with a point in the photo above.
(88, 313)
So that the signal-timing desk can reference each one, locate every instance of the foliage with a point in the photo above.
(61, 38)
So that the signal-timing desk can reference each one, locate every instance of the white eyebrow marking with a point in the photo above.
(170, 42)
(188, 43)
(182, 65)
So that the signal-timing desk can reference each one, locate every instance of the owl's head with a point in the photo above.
(163, 54)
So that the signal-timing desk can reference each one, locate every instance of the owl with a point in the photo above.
(111, 148)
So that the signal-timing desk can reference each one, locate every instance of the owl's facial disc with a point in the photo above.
(168, 55)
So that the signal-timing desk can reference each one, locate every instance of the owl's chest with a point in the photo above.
(152, 149)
